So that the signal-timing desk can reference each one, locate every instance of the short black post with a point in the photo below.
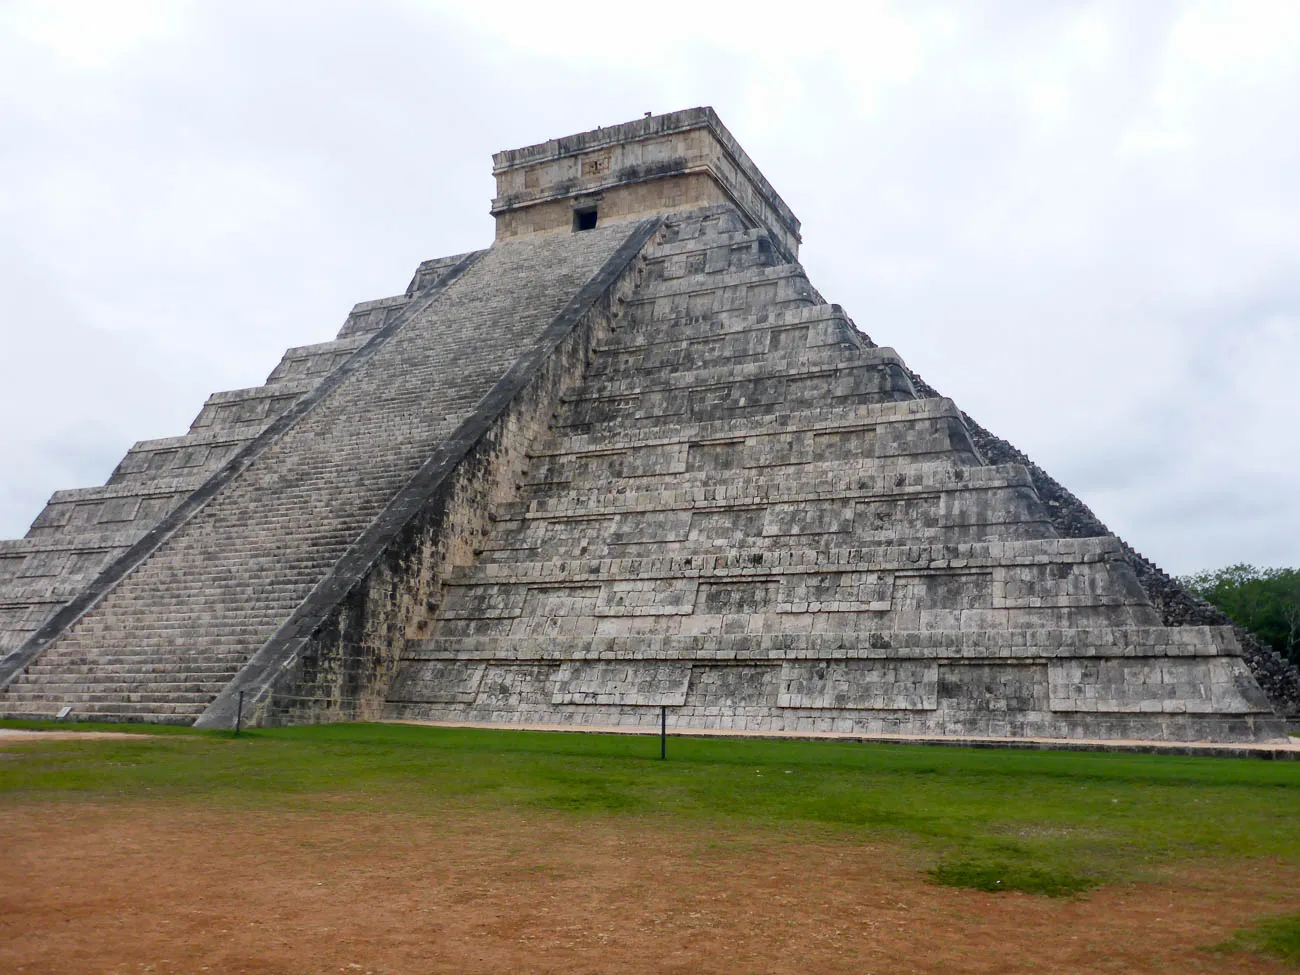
(663, 733)
(239, 714)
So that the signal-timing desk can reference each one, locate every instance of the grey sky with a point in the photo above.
(1078, 220)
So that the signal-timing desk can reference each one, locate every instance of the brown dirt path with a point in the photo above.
(159, 887)
(22, 736)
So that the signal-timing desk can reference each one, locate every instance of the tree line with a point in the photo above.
(1264, 601)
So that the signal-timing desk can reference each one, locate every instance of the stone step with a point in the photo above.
(739, 280)
(885, 453)
(46, 590)
(624, 470)
(827, 322)
(53, 541)
(676, 418)
(660, 351)
(178, 640)
(319, 359)
(757, 561)
(806, 420)
(147, 690)
(740, 486)
(706, 223)
(213, 662)
(829, 363)
(661, 364)
(101, 700)
(1183, 641)
(738, 401)
(121, 713)
(157, 642)
(104, 670)
(709, 254)
(368, 317)
(567, 542)
(163, 485)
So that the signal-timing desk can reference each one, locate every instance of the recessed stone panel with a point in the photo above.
(841, 445)
(438, 682)
(731, 596)
(650, 526)
(723, 527)
(895, 517)
(646, 597)
(516, 687)
(715, 456)
(119, 509)
(859, 684)
(1137, 685)
(729, 689)
(40, 564)
(809, 518)
(992, 688)
(836, 592)
(632, 683)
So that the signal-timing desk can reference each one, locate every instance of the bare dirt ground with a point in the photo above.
(162, 887)
(18, 736)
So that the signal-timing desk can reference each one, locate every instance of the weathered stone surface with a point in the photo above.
(745, 486)
(679, 161)
(590, 473)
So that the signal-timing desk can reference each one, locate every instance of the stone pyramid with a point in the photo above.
(627, 458)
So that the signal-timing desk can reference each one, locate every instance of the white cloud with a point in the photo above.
(94, 35)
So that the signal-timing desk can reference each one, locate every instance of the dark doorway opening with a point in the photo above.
(584, 219)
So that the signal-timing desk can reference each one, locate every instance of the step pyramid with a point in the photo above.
(627, 458)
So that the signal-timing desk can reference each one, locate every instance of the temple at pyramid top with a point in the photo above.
(626, 458)
(658, 164)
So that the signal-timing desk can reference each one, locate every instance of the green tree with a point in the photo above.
(1264, 601)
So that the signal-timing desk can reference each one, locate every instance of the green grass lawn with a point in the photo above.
(1046, 822)
(1278, 936)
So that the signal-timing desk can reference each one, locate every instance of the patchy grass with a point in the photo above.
(1039, 821)
(1277, 936)
(997, 876)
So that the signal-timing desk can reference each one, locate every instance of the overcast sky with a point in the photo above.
(1078, 220)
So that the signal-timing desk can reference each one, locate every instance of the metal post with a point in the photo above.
(663, 733)
(239, 714)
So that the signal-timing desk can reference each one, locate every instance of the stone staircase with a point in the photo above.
(82, 530)
(163, 642)
(745, 513)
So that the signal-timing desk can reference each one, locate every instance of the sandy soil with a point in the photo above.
(18, 736)
(158, 887)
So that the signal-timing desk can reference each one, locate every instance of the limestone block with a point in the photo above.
(438, 682)
(643, 684)
(859, 685)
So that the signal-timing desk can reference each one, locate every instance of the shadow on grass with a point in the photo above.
(995, 876)
(1276, 936)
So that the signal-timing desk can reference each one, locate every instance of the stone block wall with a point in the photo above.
(745, 513)
(682, 160)
(1071, 518)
